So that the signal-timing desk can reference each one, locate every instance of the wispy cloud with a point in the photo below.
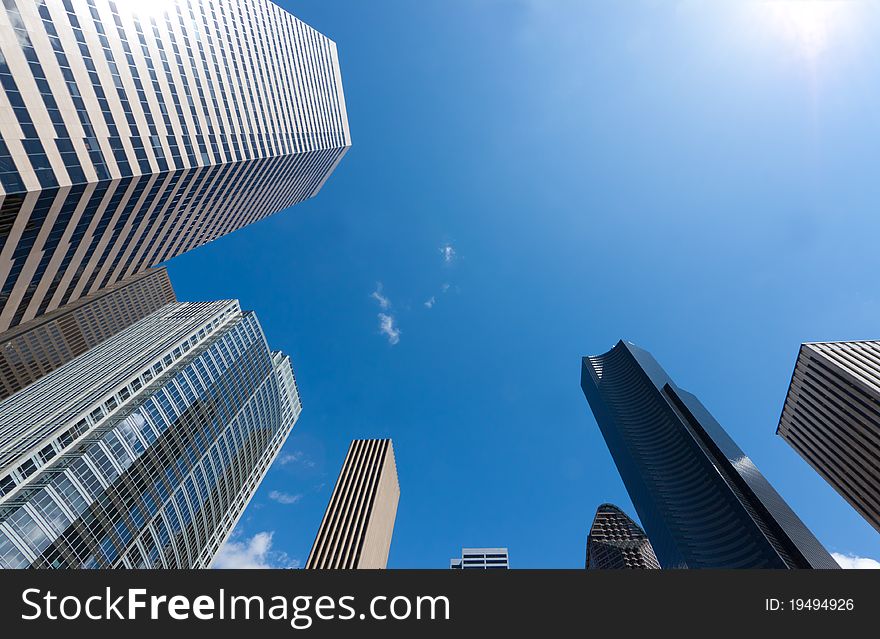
(384, 302)
(854, 562)
(290, 458)
(387, 322)
(296, 457)
(388, 328)
(448, 253)
(284, 498)
(430, 302)
(255, 552)
(445, 287)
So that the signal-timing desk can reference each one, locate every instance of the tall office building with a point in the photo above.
(831, 418)
(702, 502)
(359, 520)
(144, 451)
(480, 559)
(135, 131)
(33, 349)
(617, 542)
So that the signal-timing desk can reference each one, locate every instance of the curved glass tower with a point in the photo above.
(702, 502)
(144, 451)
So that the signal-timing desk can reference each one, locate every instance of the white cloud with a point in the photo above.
(445, 287)
(290, 458)
(430, 303)
(384, 302)
(448, 253)
(284, 498)
(296, 457)
(853, 562)
(387, 327)
(255, 552)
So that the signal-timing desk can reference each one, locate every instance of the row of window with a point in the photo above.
(106, 408)
(201, 462)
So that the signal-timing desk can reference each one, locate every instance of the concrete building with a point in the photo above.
(132, 132)
(359, 521)
(36, 348)
(831, 417)
(480, 559)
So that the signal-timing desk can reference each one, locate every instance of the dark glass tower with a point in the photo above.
(617, 542)
(702, 502)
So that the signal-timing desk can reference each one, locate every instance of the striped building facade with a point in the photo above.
(702, 501)
(359, 521)
(135, 131)
(33, 349)
(144, 451)
(831, 417)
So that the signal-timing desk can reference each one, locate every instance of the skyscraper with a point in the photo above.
(135, 131)
(831, 417)
(359, 520)
(616, 541)
(702, 502)
(481, 559)
(39, 346)
(144, 451)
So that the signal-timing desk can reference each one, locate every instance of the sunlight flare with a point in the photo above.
(811, 27)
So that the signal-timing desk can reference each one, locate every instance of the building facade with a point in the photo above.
(831, 417)
(702, 501)
(617, 542)
(131, 132)
(481, 559)
(33, 349)
(358, 524)
(144, 451)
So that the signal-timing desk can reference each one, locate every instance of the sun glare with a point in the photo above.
(810, 26)
(147, 8)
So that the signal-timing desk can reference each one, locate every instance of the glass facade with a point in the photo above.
(702, 501)
(617, 542)
(131, 133)
(152, 458)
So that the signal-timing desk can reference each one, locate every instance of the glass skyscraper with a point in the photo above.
(131, 132)
(617, 542)
(144, 451)
(702, 501)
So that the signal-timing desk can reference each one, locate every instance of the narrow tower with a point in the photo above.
(359, 522)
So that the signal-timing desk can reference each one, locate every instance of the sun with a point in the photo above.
(811, 27)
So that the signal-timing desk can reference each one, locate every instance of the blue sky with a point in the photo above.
(697, 177)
